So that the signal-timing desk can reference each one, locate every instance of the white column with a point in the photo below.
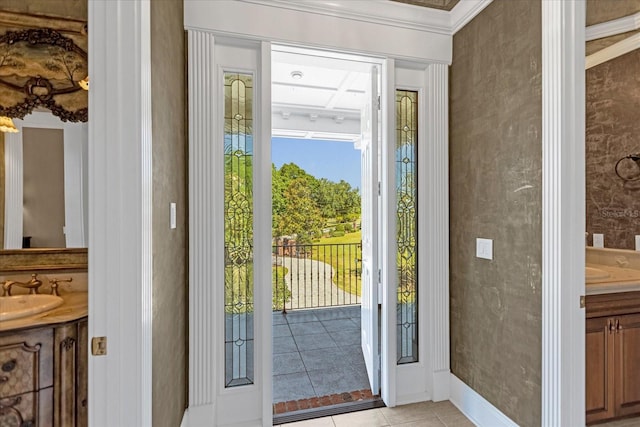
(205, 269)
(120, 217)
(563, 213)
(434, 166)
(13, 190)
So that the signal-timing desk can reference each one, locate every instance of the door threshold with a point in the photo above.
(326, 411)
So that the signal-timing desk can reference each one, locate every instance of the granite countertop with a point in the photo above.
(75, 306)
(620, 279)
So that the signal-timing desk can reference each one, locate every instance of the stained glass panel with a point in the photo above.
(238, 229)
(407, 224)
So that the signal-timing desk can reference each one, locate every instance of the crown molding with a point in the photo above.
(385, 12)
(464, 12)
(613, 27)
(615, 50)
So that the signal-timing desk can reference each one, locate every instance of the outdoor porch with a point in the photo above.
(317, 358)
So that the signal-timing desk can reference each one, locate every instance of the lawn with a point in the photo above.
(342, 259)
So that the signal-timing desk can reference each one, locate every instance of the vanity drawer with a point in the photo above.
(28, 409)
(26, 362)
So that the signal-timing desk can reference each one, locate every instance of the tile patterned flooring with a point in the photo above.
(425, 414)
(317, 353)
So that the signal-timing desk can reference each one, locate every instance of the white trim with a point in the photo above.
(263, 21)
(477, 408)
(120, 217)
(387, 262)
(464, 12)
(381, 12)
(563, 213)
(204, 264)
(435, 223)
(13, 190)
(613, 27)
(615, 50)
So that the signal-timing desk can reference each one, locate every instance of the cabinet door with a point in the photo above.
(600, 402)
(628, 364)
(82, 375)
(66, 347)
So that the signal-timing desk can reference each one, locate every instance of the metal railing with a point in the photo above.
(316, 275)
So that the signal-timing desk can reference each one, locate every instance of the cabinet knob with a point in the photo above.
(9, 366)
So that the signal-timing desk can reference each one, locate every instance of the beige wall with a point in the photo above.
(43, 187)
(169, 185)
(495, 192)
(74, 9)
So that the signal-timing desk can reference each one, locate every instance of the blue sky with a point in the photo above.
(323, 159)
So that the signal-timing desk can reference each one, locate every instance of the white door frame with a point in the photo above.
(120, 190)
(563, 212)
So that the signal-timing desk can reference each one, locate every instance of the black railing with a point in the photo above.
(316, 275)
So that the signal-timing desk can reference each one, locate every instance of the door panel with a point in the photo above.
(369, 307)
(628, 364)
(599, 377)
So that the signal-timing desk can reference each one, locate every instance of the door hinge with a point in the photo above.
(379, 188)
(378, 102)
(379, 276)
(99, 346)
(583, 301)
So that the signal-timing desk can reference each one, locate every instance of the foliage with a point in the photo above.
(330, 201)
(337, 233)
(238, 290)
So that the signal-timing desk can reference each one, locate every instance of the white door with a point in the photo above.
(370, 276)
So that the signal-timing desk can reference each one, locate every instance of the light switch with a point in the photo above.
(598, 240)
(484, 248)
(637, 242)
(173, 215)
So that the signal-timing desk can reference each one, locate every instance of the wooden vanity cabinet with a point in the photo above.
(612, 356)
(43, 376)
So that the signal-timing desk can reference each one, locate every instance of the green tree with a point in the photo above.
(301, 215)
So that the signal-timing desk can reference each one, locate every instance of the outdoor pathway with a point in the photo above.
(317, 353)
(311, 284)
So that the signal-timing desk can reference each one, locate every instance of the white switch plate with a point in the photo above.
(637, 242)
(598, 240)
(173, 215)
(484, 248)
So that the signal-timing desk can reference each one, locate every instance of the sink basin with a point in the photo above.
(592, 274)
(15, 307)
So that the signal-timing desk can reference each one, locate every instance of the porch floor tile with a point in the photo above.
(319, 355)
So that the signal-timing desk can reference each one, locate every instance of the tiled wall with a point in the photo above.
(613, 132)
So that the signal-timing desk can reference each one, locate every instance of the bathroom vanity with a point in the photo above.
(612, 335)
(43, 367)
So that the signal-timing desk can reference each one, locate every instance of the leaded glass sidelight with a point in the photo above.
(238, 229)
(407, 224)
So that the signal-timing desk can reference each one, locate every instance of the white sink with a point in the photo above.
(15, 307)
(592, 274)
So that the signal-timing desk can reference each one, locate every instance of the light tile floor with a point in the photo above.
(425, 414)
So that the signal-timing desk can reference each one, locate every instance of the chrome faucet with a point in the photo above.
(32, 285)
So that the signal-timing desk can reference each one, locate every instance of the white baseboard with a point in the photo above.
(199, 416)
(477, 408)
(184, 422)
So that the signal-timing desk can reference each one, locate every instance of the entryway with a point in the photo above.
(325, 201)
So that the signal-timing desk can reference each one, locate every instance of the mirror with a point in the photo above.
(45, 184)
(612, 129)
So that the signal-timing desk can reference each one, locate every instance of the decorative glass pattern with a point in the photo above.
(407, 224)
(238, 229)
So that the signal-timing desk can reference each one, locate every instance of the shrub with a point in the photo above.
(337, 233)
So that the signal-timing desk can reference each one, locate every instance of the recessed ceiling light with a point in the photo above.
(296, 75)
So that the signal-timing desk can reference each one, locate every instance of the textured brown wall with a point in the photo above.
(43, 182)
(169, 185)
(74, 9)
(613, 132)
(599, 11)
(495, 192)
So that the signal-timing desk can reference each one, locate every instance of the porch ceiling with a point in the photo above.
(435, 4)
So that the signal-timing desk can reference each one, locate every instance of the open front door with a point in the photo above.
(370, 276)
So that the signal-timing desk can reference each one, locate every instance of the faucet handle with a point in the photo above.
(54, 284)
(34, 283)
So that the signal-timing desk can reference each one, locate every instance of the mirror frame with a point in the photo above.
(29, 260)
